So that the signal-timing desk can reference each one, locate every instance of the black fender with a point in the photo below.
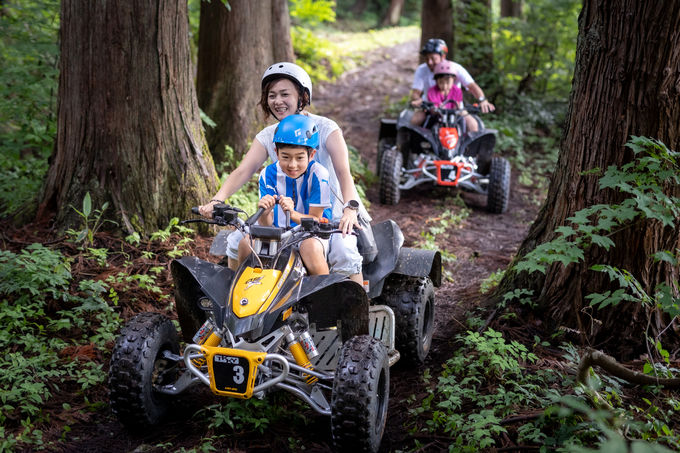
(420, 263)
(479, 145)
(194, 279)
(388, 128)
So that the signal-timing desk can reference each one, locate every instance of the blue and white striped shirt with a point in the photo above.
(311, 189)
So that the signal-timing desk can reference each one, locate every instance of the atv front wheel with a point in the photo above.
(360, 397)
(383, 144)
(390, 175)
(412, 300)
(499, 186)
(138, 365)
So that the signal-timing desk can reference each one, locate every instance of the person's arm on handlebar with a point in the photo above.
(286, 203)
(484, 105)
(267, 202)
(253, 159)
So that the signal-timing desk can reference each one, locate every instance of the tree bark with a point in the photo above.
(234, 49)
(626, 82)
(393, 13)
(282, 43)
(511, 8)
(128, 127)
(437, 22)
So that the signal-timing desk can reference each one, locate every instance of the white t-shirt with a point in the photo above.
(424, 78)
(326, 128)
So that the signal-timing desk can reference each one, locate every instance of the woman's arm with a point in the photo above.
(337, 149)
(252, 161)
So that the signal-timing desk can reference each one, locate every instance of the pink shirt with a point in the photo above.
(436, 97)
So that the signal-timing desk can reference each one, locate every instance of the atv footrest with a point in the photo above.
(380, 325)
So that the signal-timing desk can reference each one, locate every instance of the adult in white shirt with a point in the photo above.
(435, 51)
(286, 90)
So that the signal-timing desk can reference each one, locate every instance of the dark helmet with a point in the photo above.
(297, 130)
(435, 46)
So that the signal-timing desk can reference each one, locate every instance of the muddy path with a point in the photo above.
(477, 245)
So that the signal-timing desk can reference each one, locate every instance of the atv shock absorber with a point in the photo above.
(207, 335)
(300, 356)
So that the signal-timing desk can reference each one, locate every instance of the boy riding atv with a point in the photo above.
(271, 325)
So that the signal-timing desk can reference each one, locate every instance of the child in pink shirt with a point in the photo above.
(445, 87)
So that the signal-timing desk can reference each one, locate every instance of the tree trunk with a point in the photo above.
(234, 49)
(282, 43)
(128, 127)
(511, 8)
(626, 82)
(393, 13)
(359, 7)
(437, 22)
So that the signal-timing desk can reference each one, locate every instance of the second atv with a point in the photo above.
(441, 152)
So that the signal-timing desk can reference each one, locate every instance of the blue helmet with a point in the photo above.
(297, 130)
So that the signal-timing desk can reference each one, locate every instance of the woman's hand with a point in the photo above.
(348, 221)
(206, 210)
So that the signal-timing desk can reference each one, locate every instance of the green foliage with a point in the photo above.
(43, 318)
(312, 12)
(28, 87)
(536, 53)
(481, 384)
(643, 180)
(92, 221)
(492, 281)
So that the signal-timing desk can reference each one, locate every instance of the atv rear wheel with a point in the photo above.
(383, 144)
(360, 398)
(390, 176)
(412, 300)
(137, 365)
(499, 186)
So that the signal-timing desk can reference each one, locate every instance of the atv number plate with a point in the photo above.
(233, 371)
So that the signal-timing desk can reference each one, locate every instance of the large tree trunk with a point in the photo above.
(393, 13)
(128, 128)
(511, 8)
(626, 82)
(234, 48)
(437, 22)
(282, 43)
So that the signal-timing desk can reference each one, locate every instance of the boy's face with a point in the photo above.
(294, 160)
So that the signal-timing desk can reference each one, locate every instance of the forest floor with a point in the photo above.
(482, 243)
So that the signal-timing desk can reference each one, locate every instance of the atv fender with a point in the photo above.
(388, 128)
(344, 301)
(420, 263)
(193, 279)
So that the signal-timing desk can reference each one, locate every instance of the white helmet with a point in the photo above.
(292, 71)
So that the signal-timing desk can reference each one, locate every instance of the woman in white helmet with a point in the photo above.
(286, 90)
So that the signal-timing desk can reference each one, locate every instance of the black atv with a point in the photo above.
(270, 326)
(441, 152)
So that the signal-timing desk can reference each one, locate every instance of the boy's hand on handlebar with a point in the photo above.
(267, 202)
(286, 204)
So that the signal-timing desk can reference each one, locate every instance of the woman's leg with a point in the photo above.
(344, 257)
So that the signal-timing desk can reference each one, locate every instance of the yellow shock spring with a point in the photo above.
(301, 359)
(212, 340)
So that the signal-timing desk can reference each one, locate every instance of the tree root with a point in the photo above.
(610, 365)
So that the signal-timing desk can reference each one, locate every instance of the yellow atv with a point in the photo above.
(270, 326)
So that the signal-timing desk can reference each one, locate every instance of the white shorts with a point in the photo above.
(342, 253)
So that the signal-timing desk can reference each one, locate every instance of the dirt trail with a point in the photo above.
(482, 243)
